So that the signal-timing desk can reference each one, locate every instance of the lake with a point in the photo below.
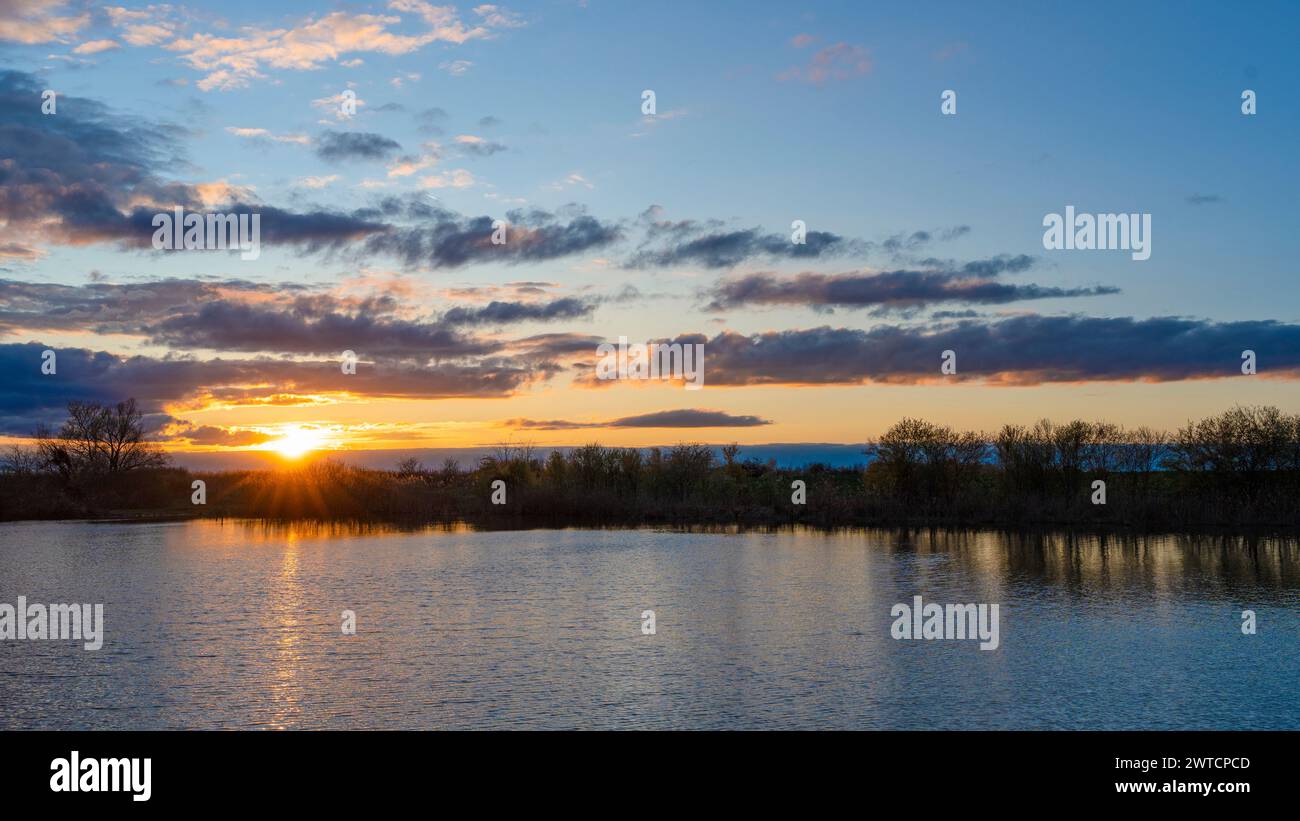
(237, 624)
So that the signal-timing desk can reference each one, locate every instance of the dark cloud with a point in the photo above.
(115, 308)
(711, 244)
(497, 312)
(1023, 350)
(689, 418)
(900, 243)
(556, 345)
(88, 175)
(80, 176)
(300, 329)
(1002, 264)
(28, 397)
(284, 318)
(684, 418)
(1204, 199)
(972, 283)
(445, 239)
(336, 146)
(71, 174)
(311, 231)
(726, 249)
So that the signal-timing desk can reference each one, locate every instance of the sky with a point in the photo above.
(924, 228)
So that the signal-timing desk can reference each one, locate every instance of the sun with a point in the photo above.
(295, 442)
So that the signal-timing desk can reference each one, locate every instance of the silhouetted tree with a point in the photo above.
(99, 439)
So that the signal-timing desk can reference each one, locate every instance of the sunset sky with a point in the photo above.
(924, 230)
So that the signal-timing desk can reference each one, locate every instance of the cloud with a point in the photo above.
(574, 179)
(497, 312)
(556, 345)
(144, 27)
(1023, 350)
(498, 17)
(65, 178)
(318, 182)
(38, 21)
(726, 249)
(410, 164)
(685, 418)
(213, 435)
(114, 308)
(971, 284)
(903, 242)
(261, 134)
(87, 176)
(456, 178)
(337, 146)
(477, 146)
(840, 61)
(342, 106)
(306, 328)
(428, 119)
(1204, 199)
(712, 244)
(13, 250)
(309, 231)
(231, 62)
(281, 319)
(96, 46)
(443, 239)
(30, 398)
(456, 68)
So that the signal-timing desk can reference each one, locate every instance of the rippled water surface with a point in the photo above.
(237, 624)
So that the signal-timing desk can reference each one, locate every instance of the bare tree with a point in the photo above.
(99, 439)
(409, 468)
(21, 461)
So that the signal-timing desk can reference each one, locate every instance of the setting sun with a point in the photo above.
(296, 442)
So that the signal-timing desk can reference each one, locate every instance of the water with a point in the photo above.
(237, 625)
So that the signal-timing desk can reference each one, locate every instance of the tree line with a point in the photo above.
(1237, 468)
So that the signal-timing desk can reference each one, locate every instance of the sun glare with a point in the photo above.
(296, 442)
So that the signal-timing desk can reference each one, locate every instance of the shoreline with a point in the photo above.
(528, 523)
